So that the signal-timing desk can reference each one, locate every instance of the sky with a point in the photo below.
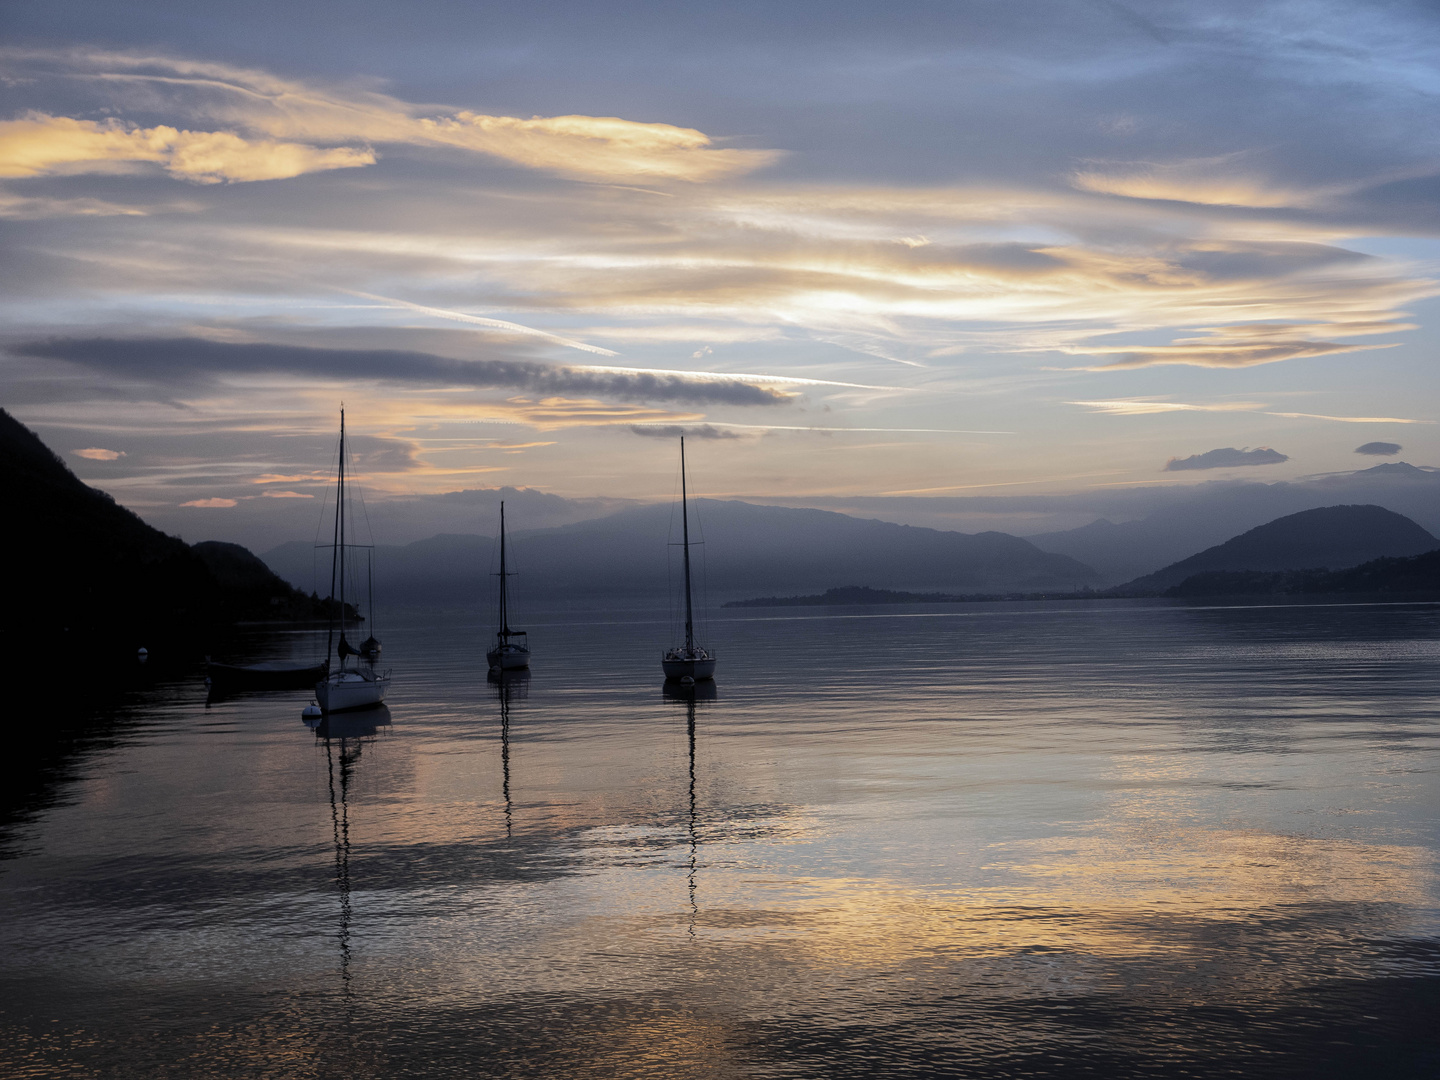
(902, 250)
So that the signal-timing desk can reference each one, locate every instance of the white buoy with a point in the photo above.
(143, 654)
(687, 681)
(311, 712)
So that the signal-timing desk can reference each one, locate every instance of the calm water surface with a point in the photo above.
(982, 841)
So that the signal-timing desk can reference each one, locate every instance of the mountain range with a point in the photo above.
(748, 548)
(1329, 538)
(1213, 513)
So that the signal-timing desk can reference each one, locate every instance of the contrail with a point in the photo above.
(1349, 419)
(730, 375)
(501, 324)
(480, 320)
(808, 427)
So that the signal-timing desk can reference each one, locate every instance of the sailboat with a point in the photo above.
(508, 654)
(349, 686)
(689, 661)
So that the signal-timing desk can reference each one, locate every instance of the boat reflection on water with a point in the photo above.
(512, 685)
(349, 726)
(690, 695)
(226, 681)
(345, 737)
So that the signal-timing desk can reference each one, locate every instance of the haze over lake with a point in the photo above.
(1097, 838)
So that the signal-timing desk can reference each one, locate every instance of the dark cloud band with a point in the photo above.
(196, 360)
(1379, 449)
(1226, 458)
(674, 431)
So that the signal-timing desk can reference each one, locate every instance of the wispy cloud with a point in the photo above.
(1227, 180)
(96, 453)
(603, 148)
(1146, 407)
(1350, 419)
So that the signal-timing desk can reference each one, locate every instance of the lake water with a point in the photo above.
(1086, 839)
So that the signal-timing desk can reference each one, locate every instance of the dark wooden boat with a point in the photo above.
(277, 675)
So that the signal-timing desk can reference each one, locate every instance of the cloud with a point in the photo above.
(1219, 354)
(197, 361)
(32, 208)
(1349, 419)
(594, 147)
(285, 495)
(95, 453)
(1145, 407)
(1379, 449)
(40, 144)
(597, 148)
(1226, 180)
(1226, 458)
(1248, 344)
(210, 504)
(674, 431)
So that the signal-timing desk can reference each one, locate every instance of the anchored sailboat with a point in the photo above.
(688, 661)
(348, 687)
(512, 648)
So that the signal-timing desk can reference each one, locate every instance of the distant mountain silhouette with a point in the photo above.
(1331, 538)
(748, 549)
(1395, 468)
(1212, 513)
(1419, 575)
(90, 571)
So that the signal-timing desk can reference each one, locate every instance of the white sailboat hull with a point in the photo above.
(508, 659)
(347, 690)
(693, 667)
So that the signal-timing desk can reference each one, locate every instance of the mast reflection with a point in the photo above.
(690, 695)
(345, 737)
(509, 686)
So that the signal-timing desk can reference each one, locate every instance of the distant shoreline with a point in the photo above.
(851, 595)
(857, 596)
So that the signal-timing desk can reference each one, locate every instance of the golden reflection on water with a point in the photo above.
(1095, 897)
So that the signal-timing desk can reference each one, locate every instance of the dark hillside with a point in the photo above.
(1328, 538)
(85, 574)
(1417, 576)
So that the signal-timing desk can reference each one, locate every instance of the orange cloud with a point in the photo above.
(605, 148)
(210, 504)
(95, 453)
(40, 144)
(594, 147)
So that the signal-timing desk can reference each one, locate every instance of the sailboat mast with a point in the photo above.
(504, 580)
(340, 526)
(335, 545)
(685, 535)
